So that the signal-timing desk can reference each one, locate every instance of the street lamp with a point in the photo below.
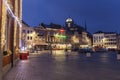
(104, 41)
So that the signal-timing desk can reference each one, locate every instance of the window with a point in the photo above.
(28, 31)
(23, 31)
(28, 37)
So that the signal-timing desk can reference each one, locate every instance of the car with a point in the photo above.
(101, 50)
(75, 49)
(85, 50)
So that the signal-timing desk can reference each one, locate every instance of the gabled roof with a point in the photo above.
(55, 26)
(98, 32)
(25, 23)
(105, 32)
(110, 33)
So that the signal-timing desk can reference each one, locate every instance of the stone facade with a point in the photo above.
(27, 37)
(78, 35)
(42, 37)
(53, 35)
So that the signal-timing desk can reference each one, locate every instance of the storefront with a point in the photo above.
(61, 46)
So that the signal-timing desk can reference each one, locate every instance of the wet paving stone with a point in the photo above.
(100, 66)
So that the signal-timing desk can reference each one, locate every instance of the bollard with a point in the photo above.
(23, 56)
(66, 53)
(88, 54)
(118, 55)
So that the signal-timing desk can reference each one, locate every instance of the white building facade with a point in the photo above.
(118, 41)
(107, 40)
(98, 39)
(110, 40)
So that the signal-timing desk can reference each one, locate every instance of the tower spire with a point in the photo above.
(85, 26)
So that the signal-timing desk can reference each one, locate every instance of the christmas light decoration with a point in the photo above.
(11, 12)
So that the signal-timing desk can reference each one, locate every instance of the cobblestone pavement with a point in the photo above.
(100, 66)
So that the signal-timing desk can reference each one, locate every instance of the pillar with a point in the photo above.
(0, 40)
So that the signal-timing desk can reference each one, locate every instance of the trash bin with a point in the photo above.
(118, 55)
(23, 56)
(28, 53)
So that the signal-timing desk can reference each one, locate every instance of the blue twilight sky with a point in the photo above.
(99, 14)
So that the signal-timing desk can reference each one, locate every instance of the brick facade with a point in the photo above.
(9, 31)
(0, 40)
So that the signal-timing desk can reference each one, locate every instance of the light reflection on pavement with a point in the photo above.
(100, 66)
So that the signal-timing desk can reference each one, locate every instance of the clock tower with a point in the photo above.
(69, 22)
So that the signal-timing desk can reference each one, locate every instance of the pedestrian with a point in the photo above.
(66, 52)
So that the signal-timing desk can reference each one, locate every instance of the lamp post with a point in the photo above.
(50, 48)
(104, 41)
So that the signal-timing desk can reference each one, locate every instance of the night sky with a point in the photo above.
(99, 14)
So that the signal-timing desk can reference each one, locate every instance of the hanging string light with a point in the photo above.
(11, 12)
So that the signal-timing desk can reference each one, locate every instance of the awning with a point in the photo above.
(41, 44)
